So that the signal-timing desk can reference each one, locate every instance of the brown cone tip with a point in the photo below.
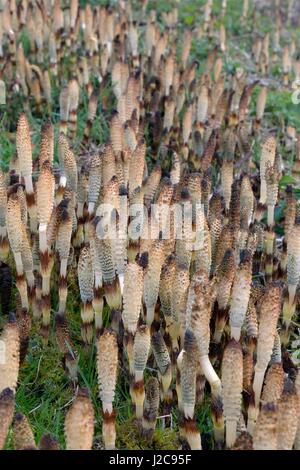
(7, 394)
(12, 317)
(49, 442)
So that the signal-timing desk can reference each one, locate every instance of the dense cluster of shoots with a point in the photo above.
(146, 199)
